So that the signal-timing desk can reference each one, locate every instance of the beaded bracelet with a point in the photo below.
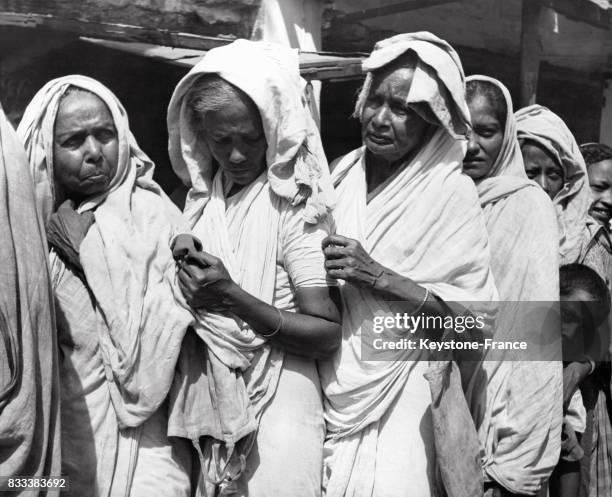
(278, 327)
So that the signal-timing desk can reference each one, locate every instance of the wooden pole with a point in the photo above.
(530, 50)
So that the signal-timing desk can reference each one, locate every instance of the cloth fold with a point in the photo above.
(29, 386)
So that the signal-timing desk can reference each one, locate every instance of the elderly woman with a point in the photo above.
(29, 389)
(119, 314)
(410, 229)
(520, 439)
(243, 141)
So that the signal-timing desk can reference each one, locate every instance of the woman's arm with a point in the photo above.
(346, 259)
(313, 332)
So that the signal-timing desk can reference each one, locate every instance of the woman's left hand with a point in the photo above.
(205, 282)
(346, 259)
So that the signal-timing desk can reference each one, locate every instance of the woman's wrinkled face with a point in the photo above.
(85, 146)
(485, 140)
(390, 129)
(542, 168)
(600, 179)
(236, 139)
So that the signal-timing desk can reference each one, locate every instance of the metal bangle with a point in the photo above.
(420, 306)
(278, 327)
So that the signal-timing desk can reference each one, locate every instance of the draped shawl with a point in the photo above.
(125, 256)
(238, 370)
(572, 203)
(427, 225)
(29, 388)
(511, 396)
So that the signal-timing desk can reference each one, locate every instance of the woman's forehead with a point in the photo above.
(236, 113)
(396, 80)
(533, 150)
(81, 106)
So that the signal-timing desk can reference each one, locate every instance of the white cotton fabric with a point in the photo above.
(572, 203)
(252, 233)
(516, 404)
(139, 317)
(29, 386)
(426, 225)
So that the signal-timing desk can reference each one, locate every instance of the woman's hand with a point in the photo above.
(205, 282)
(347, 260)
(66, 230)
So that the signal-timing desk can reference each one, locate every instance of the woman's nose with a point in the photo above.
(381, 116)
(93, 150)
(544, 182)
(472, 145)
(606, 198)
(236, 156)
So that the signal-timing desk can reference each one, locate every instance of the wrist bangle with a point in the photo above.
(422, 303)
(278, 326)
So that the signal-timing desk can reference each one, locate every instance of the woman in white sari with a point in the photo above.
(121, 316)
(243, 141)
(410, 229)
(516, 402)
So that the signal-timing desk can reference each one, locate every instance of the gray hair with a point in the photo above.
(211, 93)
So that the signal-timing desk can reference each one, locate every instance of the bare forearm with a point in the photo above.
(395, 287)
(306, 335)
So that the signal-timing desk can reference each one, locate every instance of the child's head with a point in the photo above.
(585, 305)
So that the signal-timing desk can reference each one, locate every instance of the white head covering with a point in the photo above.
(297, 168)
(125, 256)
(508, 172)
(540, 125)
(437, 92)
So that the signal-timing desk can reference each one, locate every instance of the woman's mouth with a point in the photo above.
(472, 163)
(96, 178)
(379, 139)
(601, 213)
